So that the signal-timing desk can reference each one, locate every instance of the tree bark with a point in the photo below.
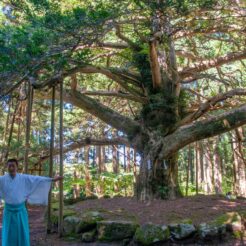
(99, 159)
(158, 178)
(208, 184)
(239, 165)
(188, 171)
(115, 161)
(217, 169)
(87, 171)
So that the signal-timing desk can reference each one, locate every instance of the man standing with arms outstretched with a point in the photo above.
(16, 189)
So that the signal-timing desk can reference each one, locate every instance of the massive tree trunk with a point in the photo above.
(158, 178)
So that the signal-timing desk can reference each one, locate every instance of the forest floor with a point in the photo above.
(197, 208)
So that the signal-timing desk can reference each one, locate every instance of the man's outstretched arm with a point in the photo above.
(57, 178)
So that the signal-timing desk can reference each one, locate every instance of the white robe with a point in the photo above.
(24, 187)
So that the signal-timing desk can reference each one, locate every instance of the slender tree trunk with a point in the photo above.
(201, 153)
(99, 159)
(239, 165)
(5, 136)
(28, 125)
(52, 141)
(191, 160)
(115, 161)
(87, 171)
(208, 172)
(128, 159)
(76, 187)
(135, 164)
(188, 171)
(11, 132)
(103, 158)
(217, 169)
(197, 167)
(19, 129)
(61, 171)
(124, 158)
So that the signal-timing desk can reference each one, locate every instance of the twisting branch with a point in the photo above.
(181, 33)
(124, 38)
(116, 75)
(216, 62)
(113, 45)
(115, 94)
(101, 111)
(79, 144)
(210, 103)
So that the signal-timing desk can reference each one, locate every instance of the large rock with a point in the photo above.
(210, 232)
(110, 231)
(66, 212)
(70, 224)
(88, 221)
(182, 231)
(89, 236)
(150, 233)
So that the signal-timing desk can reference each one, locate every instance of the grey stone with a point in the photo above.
(182, 231)
(150, 233)
(88, 221)
(70, 224)
(110, 231)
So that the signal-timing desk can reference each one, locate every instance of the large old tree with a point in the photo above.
(178, 64)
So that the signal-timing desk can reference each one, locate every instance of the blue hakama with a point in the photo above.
(15, 231)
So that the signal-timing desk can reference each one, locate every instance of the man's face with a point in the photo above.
(12, 168)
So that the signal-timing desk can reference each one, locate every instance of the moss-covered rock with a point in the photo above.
(88, 221)
(210, 232)
(89, 236)
(66, 213)
(182, 231)
(150, 233)
(110, 231)
(70, 224)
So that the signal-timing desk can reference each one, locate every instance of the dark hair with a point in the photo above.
(13, 160)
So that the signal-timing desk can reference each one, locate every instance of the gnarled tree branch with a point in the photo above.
(115, 94)
(102, 112)
(203, 129)
(205, 65)
(206, 106)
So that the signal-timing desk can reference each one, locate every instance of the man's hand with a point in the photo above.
(57, 178)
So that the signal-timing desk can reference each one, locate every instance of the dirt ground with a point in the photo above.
(198, 209)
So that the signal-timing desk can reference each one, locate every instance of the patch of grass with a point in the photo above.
(227, 218)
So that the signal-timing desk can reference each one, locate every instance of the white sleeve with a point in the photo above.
(1, 189)
(37, 189)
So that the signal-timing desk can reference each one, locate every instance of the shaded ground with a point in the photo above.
(198, 209)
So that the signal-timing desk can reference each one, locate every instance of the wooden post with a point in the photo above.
(28, 125)
(52, 134)
(60, 223)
